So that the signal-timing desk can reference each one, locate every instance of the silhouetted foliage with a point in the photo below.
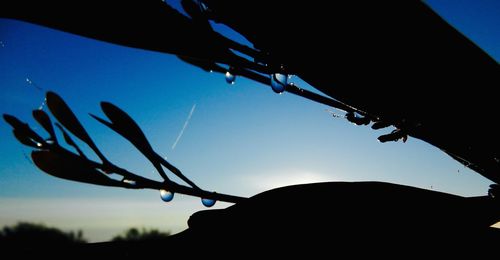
(52, 157)
(24, 233)
(389, 62)
(368, 31)
(135, 234)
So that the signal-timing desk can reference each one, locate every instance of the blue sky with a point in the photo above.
(242, 139)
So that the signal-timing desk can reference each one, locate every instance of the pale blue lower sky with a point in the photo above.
(242, 139)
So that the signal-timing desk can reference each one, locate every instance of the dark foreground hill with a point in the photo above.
(357, 219)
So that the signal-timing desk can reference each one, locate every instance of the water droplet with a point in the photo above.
(44, 102)
(230, 78)
(131, 182)
(279, 82)
(166, 195)
(208, 202)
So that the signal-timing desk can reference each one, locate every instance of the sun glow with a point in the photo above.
(275, 180)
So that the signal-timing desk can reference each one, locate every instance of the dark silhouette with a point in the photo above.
(32, 236)
(135, 234)
(395, 135)
(375, 48)
(414, 72)
(337, 218)
(53, 158)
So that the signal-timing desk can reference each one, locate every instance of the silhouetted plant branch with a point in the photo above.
(192, 38)
(262, 69)
(259, 70)
(211, 52)
(51, 157)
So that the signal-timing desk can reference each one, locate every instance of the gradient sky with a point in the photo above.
(242, 139)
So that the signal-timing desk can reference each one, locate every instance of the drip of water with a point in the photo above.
(230, 78)
(166, 195)
(279, 82)
(208, 202)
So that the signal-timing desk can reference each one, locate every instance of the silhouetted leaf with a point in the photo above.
(70, 141)
(69, 166)
(44, 120)
(194, 11)
(124, 125)
(65, 116)
(393, 136)
(24, 139)
(22, 128)
(104, 122)
(13, 121)
(380, 125)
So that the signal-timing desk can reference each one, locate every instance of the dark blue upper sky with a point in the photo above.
(241, 139)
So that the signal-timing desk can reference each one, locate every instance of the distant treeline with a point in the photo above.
(31, 233)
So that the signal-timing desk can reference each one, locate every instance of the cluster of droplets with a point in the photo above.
(31, 83)
(168, 196)
(279, 81)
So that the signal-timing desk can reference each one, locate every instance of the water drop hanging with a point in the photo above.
(166, 195)
(279, 82)
(208, 202)
(230, 78)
